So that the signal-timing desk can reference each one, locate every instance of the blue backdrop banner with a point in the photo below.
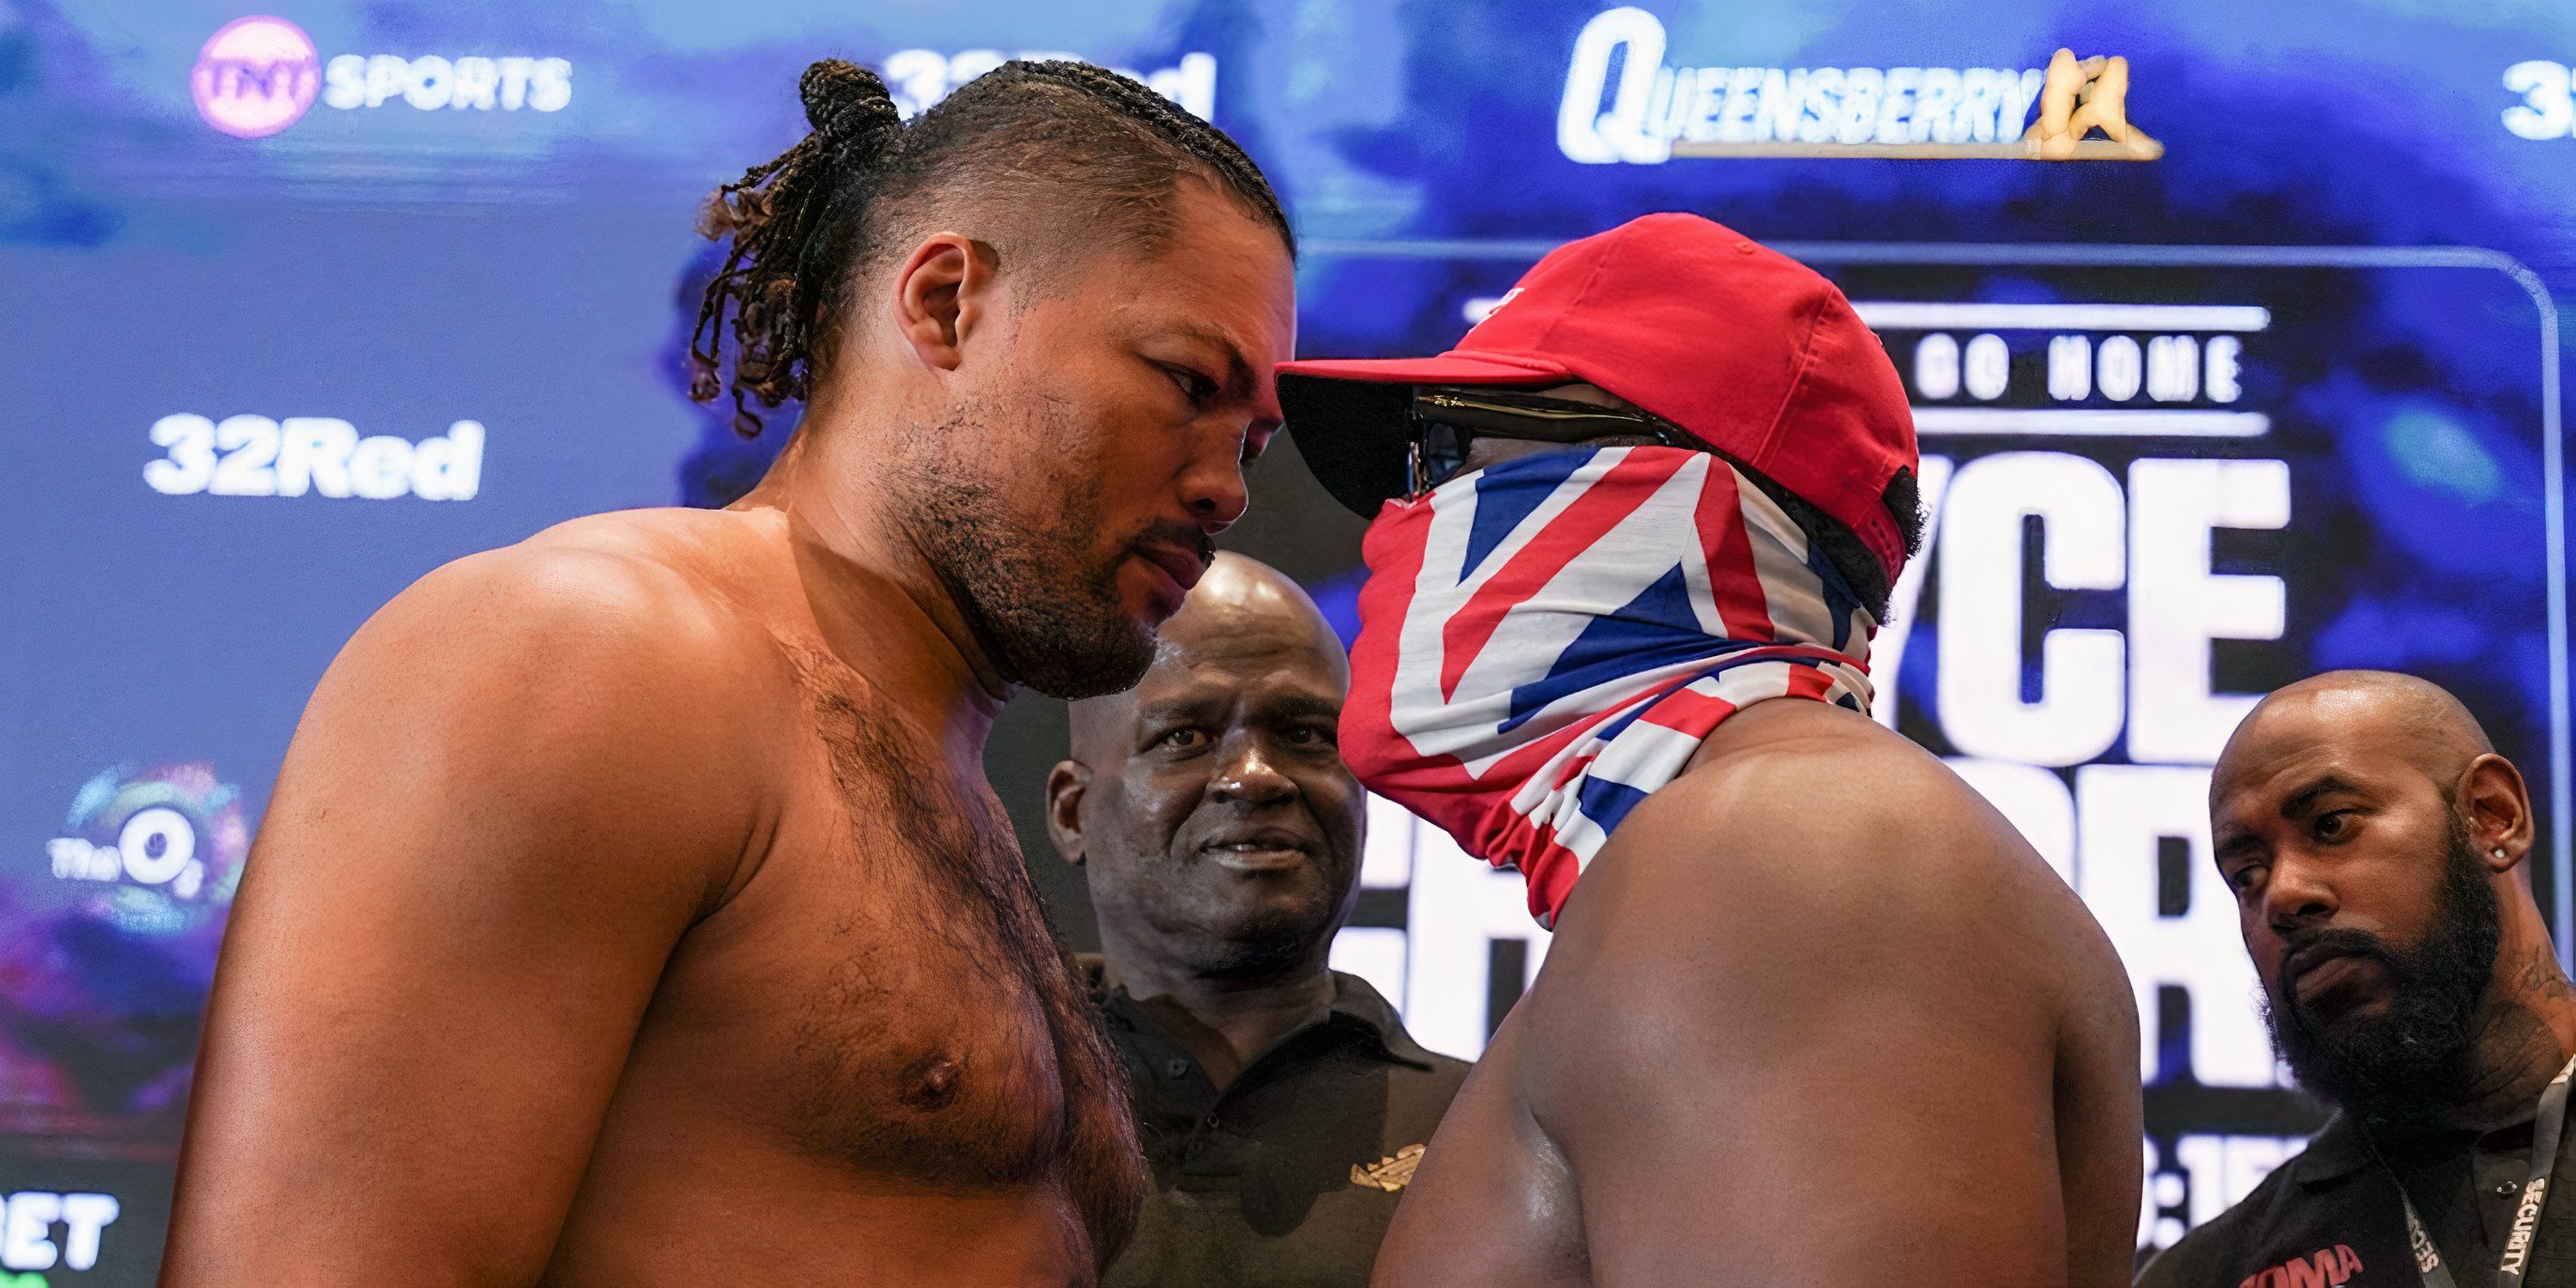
(304, 301)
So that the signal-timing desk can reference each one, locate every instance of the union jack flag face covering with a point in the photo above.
(1545, 642)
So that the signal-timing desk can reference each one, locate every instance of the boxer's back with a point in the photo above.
(1815, 1015)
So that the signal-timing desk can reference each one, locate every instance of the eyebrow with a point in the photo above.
(1238, 369)
(1303, 704)
(1183, 708)
(2299, 802)
(2230, 841)
(1290, 706)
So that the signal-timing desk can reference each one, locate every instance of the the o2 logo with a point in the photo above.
(311, 456)
(165, 846)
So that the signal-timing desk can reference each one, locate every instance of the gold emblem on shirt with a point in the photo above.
(1388, 1174)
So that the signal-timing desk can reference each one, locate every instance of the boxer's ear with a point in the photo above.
(1065, 785)
(2496, 807)
(941, 291)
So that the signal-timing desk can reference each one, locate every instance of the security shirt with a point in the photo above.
(2331, 1217)
(1286, 1178)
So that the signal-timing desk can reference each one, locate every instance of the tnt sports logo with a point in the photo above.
(164, 846)
(311, 455)
(256, 76)
(259, 75)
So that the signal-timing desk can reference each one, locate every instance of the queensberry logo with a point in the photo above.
(165, 846)
(1622, 103)
(258, 75)
(315, 455)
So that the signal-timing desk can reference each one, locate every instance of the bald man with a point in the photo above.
(1281, 1103)
(2375, 841)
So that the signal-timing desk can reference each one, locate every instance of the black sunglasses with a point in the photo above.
(1442, 423)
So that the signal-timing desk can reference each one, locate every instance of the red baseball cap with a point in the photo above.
(1750, 350)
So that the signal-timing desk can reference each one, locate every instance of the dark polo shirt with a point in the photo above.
(1288, 1176)
(2331, 1218)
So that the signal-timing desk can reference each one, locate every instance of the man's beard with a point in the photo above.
(2414, 1057)
(1047, 608)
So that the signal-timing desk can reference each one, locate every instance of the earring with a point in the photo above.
(2497, 851)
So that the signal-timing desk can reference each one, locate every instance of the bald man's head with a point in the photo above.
(2374, 840)
(1239, 605)
(1209, 805)
(2414, 717)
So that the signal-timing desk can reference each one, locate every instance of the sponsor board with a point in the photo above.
(164, 846)
(1624, 103)
(320, 456)
(258, 75)
(2548, 93)
(42, 1230)
(919, 78)
(2139, 476)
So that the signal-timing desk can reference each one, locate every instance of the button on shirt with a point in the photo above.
(1288, 1176)
(2331, 1217)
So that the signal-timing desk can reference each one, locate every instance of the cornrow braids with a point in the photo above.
(1200, 139)
(768, 213)
(799, 223)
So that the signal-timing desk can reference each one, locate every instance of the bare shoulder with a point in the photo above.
(627, 596)
(1852, 797)
(1810, 833)
(595, 666)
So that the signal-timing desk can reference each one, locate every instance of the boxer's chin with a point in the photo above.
(1075, 652)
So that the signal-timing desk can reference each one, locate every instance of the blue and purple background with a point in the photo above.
(480, 214)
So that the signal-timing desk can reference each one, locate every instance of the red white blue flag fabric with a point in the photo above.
(1545, 642)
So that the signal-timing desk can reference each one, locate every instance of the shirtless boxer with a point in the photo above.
(1814, 1013)
(632, 908)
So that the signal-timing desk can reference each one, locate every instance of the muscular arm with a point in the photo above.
(503, 807)
(1811, 1027)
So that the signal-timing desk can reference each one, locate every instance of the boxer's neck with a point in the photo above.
(878, 602)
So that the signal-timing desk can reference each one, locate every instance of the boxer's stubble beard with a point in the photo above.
(2407, 1064)
(1041, 598)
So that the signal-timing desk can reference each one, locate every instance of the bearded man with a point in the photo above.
(632, 908)
(2376, 844)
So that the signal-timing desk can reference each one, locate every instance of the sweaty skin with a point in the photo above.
(1816, 1014)
(632, 908)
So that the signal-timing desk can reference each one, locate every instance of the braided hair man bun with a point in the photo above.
(769, 213)
(1085, 150)
(845, 102)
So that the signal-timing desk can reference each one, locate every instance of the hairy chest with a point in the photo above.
(925, 1025)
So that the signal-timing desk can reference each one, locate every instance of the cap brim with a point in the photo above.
(1447, 369)
(1348, 415)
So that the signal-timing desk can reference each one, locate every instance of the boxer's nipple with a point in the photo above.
(931, 1081)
